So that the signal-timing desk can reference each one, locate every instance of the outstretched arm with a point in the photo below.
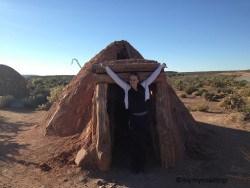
(116, 78)
(154, 75)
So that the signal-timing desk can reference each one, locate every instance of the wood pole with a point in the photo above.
(103, 145)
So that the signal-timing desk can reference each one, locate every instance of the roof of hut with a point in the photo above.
(75, 113)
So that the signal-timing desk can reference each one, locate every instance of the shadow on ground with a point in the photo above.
(227, 164)
(9, 147)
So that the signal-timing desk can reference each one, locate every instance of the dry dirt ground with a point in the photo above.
(23, 147)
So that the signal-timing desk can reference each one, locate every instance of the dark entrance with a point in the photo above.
(118, 117)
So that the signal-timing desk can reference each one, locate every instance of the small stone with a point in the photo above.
(101, 182)
(112, 185)
(78, 170)
(83, 179)
(45, 167)
(68, 171)
(81, 155)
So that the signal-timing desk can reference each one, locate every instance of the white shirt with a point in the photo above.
(125, 86)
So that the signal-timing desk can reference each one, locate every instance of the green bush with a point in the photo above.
(5, 101)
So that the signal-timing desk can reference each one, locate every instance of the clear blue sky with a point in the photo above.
(42, 36)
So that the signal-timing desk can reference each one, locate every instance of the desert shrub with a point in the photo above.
(213, 97)
(210, 96)
(244, 92)
(233, 102)
(246, 116)
(246, 109)
(184, 82)
(34, 101)
(225, 90)
(200, 92)
(241, 83)
(43, 90)
(179, 85)
(5, 101)
(220, 96)
(45, 106)
(43, 84)
(219, 83)
(203, 107)
(183, 95)
(189, 90)
(55, 94)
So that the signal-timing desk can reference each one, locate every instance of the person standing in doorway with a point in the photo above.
(136, 96)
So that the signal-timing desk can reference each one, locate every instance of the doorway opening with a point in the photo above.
(118, 118)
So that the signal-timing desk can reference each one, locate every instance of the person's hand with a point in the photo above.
(102, 66)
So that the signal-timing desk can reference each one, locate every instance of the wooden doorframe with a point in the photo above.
(103, 144)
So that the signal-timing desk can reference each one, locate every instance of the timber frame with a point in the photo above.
(168, 137)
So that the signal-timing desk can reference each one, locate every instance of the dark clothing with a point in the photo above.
(136, 100)
(139, 134)
(138, 127)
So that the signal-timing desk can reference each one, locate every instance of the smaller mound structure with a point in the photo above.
(11, 82)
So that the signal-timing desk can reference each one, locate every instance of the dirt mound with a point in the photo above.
(72, 112)
(82, 111)
(11, 82)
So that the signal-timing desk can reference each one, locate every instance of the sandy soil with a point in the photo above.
(23, 149)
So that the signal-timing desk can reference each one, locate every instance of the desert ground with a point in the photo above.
(23, 148)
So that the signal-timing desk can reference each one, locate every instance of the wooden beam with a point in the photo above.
(102, 78)
(126, 67)
(103, 145)
(165, 127)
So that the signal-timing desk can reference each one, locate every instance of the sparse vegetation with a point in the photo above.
(43, 91)
(231, 93)
(233, 102)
